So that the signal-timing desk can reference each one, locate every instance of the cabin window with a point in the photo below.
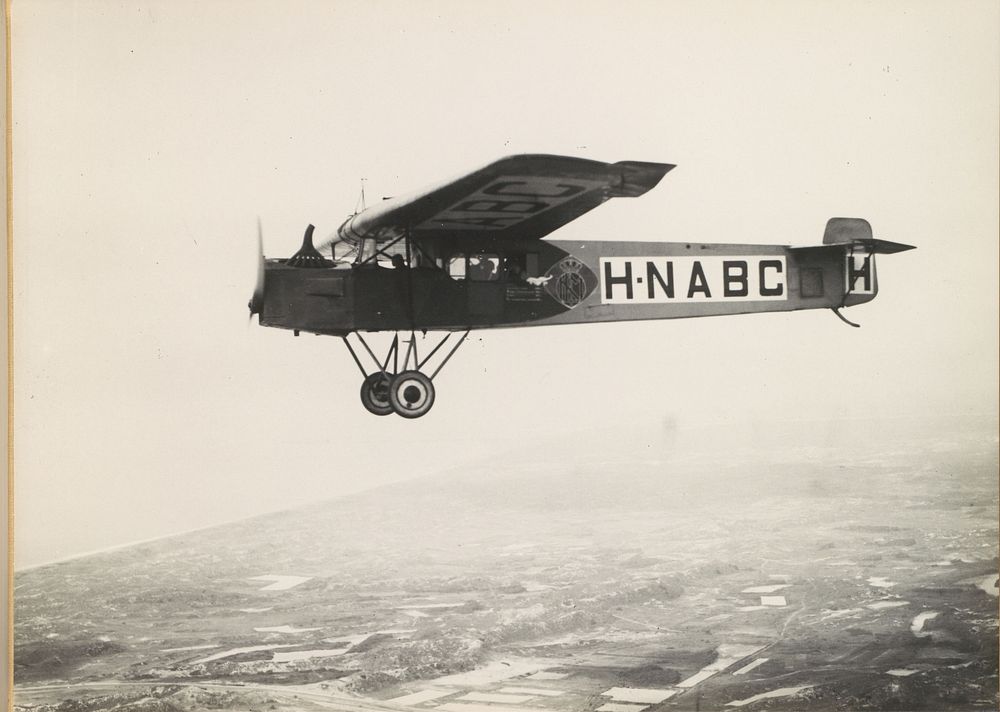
(522, 269)
(514, 268)
(456, 267)
(479, 267)
(484, 268)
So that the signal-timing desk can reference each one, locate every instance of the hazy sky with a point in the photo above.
(149, 137)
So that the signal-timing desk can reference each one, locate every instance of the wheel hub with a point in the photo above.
(411, 394)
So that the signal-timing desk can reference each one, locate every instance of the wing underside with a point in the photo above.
(523, 197)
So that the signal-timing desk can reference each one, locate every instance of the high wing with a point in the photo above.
(524, 196)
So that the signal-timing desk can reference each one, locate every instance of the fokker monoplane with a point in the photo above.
(468, 254)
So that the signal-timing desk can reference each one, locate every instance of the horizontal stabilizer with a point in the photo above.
(884, 247)
(858, 231)
(875, 247)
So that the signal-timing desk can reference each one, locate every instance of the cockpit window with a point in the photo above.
(367, 251)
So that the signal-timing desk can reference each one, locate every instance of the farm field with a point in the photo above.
(828, 578)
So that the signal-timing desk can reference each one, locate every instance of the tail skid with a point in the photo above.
(836, 310)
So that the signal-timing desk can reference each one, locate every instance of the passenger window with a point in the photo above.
(484, 268)
(514, 267)
(456, 267)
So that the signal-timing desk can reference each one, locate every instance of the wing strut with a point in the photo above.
(410, 312)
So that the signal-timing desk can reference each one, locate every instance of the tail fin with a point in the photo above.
(854, 235)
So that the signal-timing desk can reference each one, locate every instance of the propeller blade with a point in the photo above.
(257, 300)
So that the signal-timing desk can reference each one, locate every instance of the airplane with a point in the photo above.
(469, 254)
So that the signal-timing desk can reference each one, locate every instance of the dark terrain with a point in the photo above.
(564, 572)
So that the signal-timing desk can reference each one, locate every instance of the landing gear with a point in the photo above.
(408, 392)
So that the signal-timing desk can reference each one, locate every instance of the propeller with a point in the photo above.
(256, 302)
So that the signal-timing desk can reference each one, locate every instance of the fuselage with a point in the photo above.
(492, 284)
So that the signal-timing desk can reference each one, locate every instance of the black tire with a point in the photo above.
(375, 393)
(411, 394)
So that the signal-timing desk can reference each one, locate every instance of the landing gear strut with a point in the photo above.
(408, 392)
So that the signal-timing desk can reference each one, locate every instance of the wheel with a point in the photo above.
(411, 394)
(375, 393)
